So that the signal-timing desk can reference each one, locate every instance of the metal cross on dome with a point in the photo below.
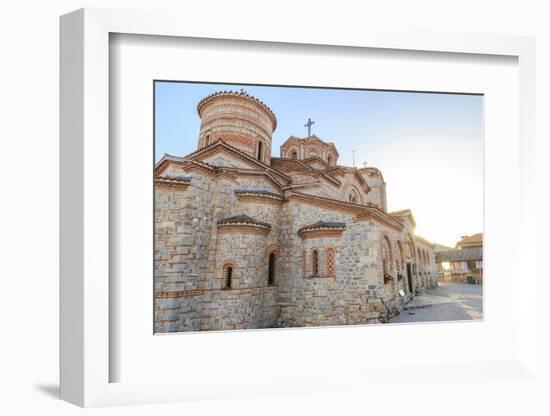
(308, 125)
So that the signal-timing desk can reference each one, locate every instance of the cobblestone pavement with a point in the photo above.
(448, 302)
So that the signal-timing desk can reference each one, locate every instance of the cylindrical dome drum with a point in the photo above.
(240, 120)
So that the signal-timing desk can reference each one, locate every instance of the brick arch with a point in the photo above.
(387, 255)
(410, 244)
(260, 150)
(273, 248)
(207, 138)
(315, 260)
(292, 149)
(223, 276)
(352, 191)
(400, 256)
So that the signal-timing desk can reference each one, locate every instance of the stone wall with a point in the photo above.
(354, 295)
(189, 255)
(191, 252)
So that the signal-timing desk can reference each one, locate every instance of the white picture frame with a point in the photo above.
(85, 217)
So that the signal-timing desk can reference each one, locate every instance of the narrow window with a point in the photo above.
(260, 151)
(207, 140)
(294, 155)
(228, 275)
(271, 270)
(329, 159)
(315, 262)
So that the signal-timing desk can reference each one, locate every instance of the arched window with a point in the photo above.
(387, 257)
(271, 270)
(315, 262)
(330, 260)
(207, 140)
(294, 154)
(228, 276)
(329, 159)
(353, 196)
(400, 259)
(409, 252)
(260, 151)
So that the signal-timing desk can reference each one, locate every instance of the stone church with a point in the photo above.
(247, 240)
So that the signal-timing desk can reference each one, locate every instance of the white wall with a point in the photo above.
(29, 207)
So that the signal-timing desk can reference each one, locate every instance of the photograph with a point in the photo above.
(284, 206)
(226, 208)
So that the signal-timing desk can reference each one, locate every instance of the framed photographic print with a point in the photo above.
(285, 214)
(250, 237)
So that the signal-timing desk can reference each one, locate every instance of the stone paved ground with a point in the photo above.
(448, 302)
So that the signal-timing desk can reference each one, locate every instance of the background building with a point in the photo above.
(464, 263)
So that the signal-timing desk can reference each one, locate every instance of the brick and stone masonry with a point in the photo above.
(247, 240)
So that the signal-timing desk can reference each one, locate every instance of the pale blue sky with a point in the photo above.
(426, 144)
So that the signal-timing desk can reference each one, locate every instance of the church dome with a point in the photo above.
(240, 120)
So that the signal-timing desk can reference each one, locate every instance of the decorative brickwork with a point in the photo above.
(238, 119)
(276, 242)
(330, 262)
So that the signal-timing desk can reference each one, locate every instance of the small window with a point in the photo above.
(260, 151)
(271, 270)
(329, 159)
(228, 277)
(294, 155)
(315, 262)
(207, 140)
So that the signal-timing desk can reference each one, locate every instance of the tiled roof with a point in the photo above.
(219, 143)
(422, 240)
(472, 239)
(404, 213)
(465, 254)
(441, 247)
(314, 137)
(241, 94)
(177, 178)
(243, 219)
(321, 225)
